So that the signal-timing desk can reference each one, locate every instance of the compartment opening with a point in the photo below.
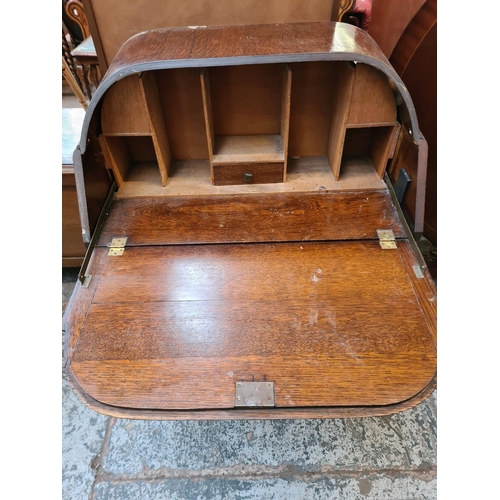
(247, 114)
(367, 150)
(132, 158)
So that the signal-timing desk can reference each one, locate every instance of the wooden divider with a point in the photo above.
(132, 108)
(209, 119)
(285, 114)
(246, 119)
(344, 78)
(151, 97)
(363, 101)
(256, 157)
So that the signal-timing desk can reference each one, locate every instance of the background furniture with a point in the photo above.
(407, 34)
(415, 59)
(110, 30)
(78, 47)
(73, 248)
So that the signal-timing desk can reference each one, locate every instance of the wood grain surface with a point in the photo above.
(248, 148)
(116, 155)
(228, 174)
(290, 287)
(208, 113)
(181, 97)
(254, 413)
(124, 109)
(425, 290)
(304, 175)
(415, 60)
(79, 303)
(344, 78)
(372, 98)
(217, 48)
(329, 323)
(250, 91)
(311, 104)
(251, 218)
(151, 97)
(220, 42)
(414, 34)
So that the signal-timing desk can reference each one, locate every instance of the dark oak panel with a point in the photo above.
(251, 218)
(250, 272)
(262, 173)
(76, 310)
(329, 323)
(231, 52)
(202, 383)
(180, 94)
(237, 328)
(284, 282)
(311, 107)
(254, 413)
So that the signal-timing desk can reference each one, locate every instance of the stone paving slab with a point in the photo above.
(404, 441)
(83, 433)
(374, 487)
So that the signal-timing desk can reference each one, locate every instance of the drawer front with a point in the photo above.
(226, 174)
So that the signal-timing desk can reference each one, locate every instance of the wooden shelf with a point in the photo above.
(308, 174)
(255, 157)
(248, 148)
(241, 124)
(133, 109)
(376, 143)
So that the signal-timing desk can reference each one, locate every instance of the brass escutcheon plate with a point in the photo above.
(254, 394)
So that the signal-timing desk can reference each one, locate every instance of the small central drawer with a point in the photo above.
(226, 174)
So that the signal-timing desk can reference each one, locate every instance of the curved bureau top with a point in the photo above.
(201, 46)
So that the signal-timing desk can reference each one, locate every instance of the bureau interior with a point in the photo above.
(249, 128)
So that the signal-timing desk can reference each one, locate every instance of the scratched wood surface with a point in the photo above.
(240, 41)
(253, 413)
(332, 324)
(251, 218)
(284, 286)
(169, 50)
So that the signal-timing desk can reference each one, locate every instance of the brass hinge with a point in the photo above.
(386, 239)
(117, 246)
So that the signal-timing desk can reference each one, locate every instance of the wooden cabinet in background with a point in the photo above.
(73, 248)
